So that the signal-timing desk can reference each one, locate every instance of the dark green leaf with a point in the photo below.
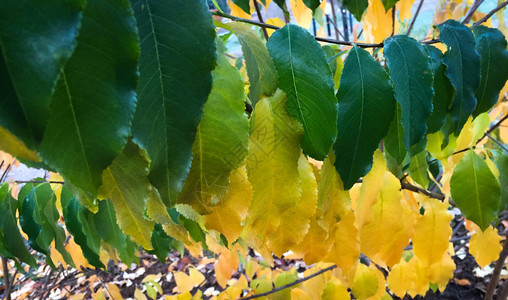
(305, 77)
(412, 77)
(162, 243)
(260, 69)
(491, 45)
(366, 109)
(312, 4)
(95, 99)
(77, 224)
(394, 139)
(475, 190)
(443, 90)
(389, 4)
(243, 4)
(26, 218)
(107, 227)
(36, 38)
(177, 58)
(356, 7)
(462, 68)
(13, 242)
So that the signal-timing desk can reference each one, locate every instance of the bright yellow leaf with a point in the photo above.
(404, 9)
(464, 140)
(346, 248)
(183, 281)
(485, 246)
(432, 232)
(227, 216)
(299, 294)
(237, 11)
(315, 245)
(114, 291)
(302, 13)
(408, 277)
(276, 22)
(226, 264)
(441, 272)
(377, 24)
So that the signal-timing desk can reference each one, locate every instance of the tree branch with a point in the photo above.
(39, 181)
(500, 6)
(491, 288)
(414, 17)
(258, 11)
(472, 10)
(290, 284)
(334, 18)
(413, 188)
(394, 11)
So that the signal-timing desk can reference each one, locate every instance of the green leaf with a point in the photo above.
(462, 68)
(356, 7)
(501, 162)
(305, 77)
(418, 169)
(394, 139)
(443, 90)
(27, 220)
(260, 69)
(475, 190)
(389, 4)
(36, 38)
(43, 211)
(221, 139)
(106, 225)
(77, 224)
(412, 77)
(243, 4)
(95, 99)
(162, 243)
(125, 183)
(491, 45)
(12, 241)
(312, 4)
(177, 58)
(366, 109)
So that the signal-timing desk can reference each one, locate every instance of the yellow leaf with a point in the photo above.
(404, 9)
(11, 144)
(314, 287)
(114, 291)
(365, 282)
(480, 125)
(227, 216)
(76, 254)
(302, 13)
(196, 277)
(156, 210)
(276, 22)
(441, 272)
(226, 265)
(377, 24)
(335, 291)
(295, 221)
(333, 202)
(485, 246)
(183, 281)
(369, 190)
(299, 294)
(182, 296)
(432, 232)
(237, 11)
(272, 167)
(385, 236)
(315, 244)
(408, 277)
(464, 140)
(346, 248)
(138, 295)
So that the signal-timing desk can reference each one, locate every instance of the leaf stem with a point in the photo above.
(260, 18)
(290, 284)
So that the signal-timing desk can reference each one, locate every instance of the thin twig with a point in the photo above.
(414, 17)
(500, 6)
(7, 284)
(493, 127)
(504, 293)
(258, 11)
(290, 284)
(497, 142)
(472, 10)
(413, 188)
(7, 170)
(39, 181)
(497, 271)
(334, 18)
(393, 20)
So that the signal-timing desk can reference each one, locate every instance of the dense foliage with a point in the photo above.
(165, 140)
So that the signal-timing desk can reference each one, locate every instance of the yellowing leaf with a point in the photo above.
(156, 210)
(408, 277)
(138, 295)
(226, 264)
(335, 291)
(295, 221)
(299, 294)
(385, 236)
(237, 11)
(485, 246)
(302, 13)
(441, 272)
(365, 282)
(183, 281)
(272, 167)
(404, 9)
(346, 248)
(126, 184)
(315, 244)
(276, 22)
(114, 291)
(228, 214)
(432, 232)
(464, 140)
(196, 277)
(377, 24)
(11, 144)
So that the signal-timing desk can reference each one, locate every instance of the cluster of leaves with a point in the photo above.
(138, 107)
